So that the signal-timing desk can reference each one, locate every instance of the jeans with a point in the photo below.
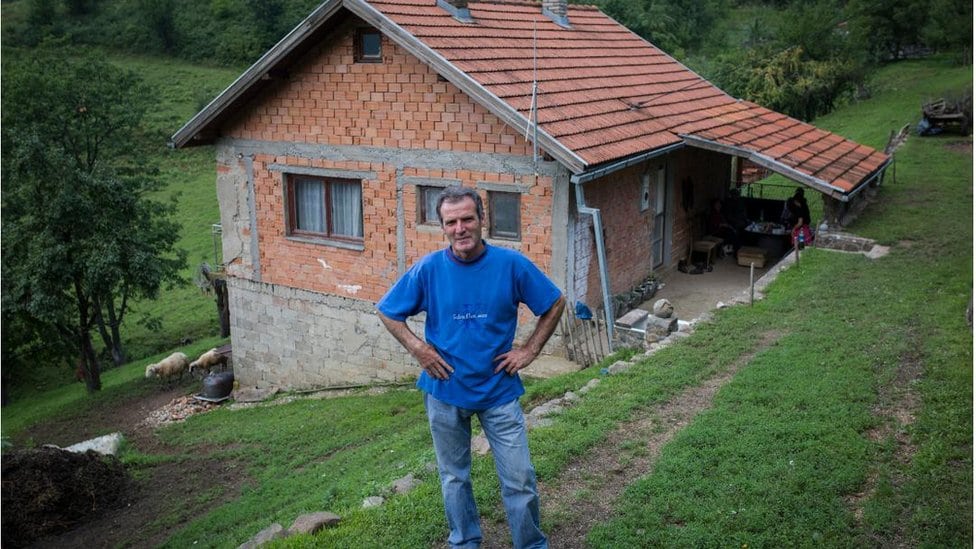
(504, 426)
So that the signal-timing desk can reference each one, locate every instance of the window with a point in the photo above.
(427, 205)
(368, 46)
(322, 207)
(504, 219)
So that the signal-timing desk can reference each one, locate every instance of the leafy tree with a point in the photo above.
(785, 81)
(884, 29)
(950, 26)
(81, 232)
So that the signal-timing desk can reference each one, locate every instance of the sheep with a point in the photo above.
(170, 366)
(208, 360)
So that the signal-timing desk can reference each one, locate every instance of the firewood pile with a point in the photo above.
(943, 113)
(177, 410)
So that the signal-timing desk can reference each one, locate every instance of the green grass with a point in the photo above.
(773, 463)
(124, 383)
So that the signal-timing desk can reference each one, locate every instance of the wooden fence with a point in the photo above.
(586, 340)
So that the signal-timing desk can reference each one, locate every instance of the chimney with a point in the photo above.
(457, 8)
(556, 10)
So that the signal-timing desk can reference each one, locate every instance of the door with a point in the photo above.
(659, 205)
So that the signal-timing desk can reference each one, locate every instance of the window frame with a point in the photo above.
(360, 54)
(292, 230)
(493, 231)
(422, 213)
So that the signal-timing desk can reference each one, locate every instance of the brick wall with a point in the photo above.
(302, 311)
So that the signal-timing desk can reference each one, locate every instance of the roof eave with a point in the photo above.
(780, 168)
(195, 131)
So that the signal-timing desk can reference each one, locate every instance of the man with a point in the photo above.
(471, 293)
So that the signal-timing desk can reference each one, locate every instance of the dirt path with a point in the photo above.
(586, 492)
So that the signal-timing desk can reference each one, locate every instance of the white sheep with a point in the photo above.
(208, 360)
(170, 366)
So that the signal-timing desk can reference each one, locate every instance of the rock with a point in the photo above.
(275, 531)
(479, 445)
(620, 367)
(661, 326)
(590, 385)
(373, 501)
(570, 397)
(313, 522)
(107, 445)
(405, 484)
(684, 326)
(663, 308)
(633, 318)
(546, 409)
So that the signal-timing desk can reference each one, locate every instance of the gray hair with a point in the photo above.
(456, 193)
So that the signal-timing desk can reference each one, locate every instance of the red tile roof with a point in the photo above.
(606, 94)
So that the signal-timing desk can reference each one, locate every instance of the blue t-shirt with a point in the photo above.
(472, 314)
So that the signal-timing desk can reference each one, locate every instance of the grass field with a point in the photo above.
(808, 445)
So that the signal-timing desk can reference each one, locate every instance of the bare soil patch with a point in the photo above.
(586, 492)
(897, 406)
(961, 147)
(161, 497)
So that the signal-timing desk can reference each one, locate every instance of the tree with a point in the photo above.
(81, 233)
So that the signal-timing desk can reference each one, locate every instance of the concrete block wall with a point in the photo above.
(293, 338)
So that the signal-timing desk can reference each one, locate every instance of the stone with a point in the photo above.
(570, 397)
(373, 501)
(546, 409)
(620, 367)
(310, 523)
(106, 445)
(661, 326)
(590, 385)
(651, 339)
(684, 326)
(531, 422)
(275, 531)
(663, 308)
(479, 445)
(633, 318)
(405, 484)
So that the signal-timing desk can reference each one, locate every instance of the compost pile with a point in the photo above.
(47, 491)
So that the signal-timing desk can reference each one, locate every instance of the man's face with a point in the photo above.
(462, 227)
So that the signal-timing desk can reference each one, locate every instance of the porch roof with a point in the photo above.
(601, 93)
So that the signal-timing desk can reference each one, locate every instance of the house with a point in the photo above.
(596, 154)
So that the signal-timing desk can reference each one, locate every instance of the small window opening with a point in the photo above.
(368, 46)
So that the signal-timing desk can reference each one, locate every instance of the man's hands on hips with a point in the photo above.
(432, 363)
(514, 360)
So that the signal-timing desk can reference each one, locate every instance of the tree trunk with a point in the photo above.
(93, 375)
(113, 339)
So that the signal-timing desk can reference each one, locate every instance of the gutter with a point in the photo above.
(601, 254)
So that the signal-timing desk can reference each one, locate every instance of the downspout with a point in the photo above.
(601, 256)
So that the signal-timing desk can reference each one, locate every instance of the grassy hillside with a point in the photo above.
(849, 423)
(185, 311)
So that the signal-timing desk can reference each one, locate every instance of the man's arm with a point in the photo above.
(519, 358)
(426, 356)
